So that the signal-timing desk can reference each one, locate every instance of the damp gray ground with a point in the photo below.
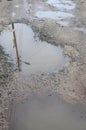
(70, 33)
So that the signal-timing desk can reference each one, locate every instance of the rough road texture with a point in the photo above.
(71, 81)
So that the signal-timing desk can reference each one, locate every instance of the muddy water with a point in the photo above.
(48, 113)
(35, 55)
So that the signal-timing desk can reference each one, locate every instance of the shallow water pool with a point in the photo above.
(35, 56)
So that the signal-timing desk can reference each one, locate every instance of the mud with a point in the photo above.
(69, 82)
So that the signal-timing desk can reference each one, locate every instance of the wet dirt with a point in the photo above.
(69, 82)
(36, 56)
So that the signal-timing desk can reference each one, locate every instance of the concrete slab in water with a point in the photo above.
(42, 56)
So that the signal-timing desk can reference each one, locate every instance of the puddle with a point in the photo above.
(62, 4)
(48, 113)
(80, 29)
(53, 15)
(16, 6)
(63, 23)
(42, 56)
(62, 15)
(13, 14)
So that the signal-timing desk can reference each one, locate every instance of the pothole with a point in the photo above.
(41, 112)
(34, 55)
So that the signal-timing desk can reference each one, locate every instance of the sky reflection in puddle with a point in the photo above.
(42, 56)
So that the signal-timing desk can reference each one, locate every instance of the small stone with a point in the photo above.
(42, 74)
(50, 95)
(64, 88)
(6, 108)
(73, 90)
(0, 94)
(9, 92)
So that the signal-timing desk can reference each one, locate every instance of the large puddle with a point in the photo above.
(48, 113)
(34, 55)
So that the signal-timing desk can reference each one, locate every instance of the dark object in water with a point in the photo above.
(15, 44)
